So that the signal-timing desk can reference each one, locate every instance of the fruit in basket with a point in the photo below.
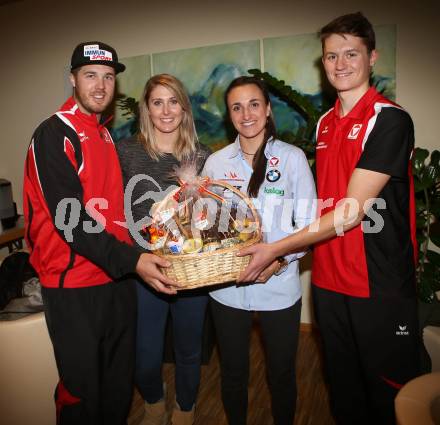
(245, 236)
(246, 225)
(191, 246)
(156, 234)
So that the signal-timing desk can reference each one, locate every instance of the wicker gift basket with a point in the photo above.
(201, 245)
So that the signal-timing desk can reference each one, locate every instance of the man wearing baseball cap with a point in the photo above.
(74, 214)
(96, 53)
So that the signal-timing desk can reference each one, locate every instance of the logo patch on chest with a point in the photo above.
(232, 176)
(106, 136)
(273, 176)
(354, 132)
(82, 136)
(274, 191)
(274, 161)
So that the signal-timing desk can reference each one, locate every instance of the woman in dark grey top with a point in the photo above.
(166, 139)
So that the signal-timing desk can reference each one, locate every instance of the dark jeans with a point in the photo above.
(280, 330)
(371, 349)
(187, 314)
(93, 334)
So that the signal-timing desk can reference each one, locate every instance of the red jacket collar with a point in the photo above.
(72, 107)
(361, 105)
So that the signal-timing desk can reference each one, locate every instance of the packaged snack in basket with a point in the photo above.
(156, 235)
(200, 226)
(175, 244)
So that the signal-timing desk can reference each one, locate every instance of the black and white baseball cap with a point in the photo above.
(95, 52)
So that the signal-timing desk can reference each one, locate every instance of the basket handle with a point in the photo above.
(240, 194)
(248, 202)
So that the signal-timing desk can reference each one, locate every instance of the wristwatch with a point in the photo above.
(283, 263)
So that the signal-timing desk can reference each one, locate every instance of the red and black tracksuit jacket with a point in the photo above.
(72, 162)
(376, 258)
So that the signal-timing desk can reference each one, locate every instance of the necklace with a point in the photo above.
(247, 153)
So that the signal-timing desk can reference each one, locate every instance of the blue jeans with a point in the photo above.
(188, 315)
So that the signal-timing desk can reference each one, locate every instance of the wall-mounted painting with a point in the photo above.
(130, 85)
(296, 59)
(206, 72)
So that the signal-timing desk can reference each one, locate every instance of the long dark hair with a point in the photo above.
(260, 161)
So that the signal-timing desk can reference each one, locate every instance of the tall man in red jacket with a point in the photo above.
(363, 260)
(73, 206)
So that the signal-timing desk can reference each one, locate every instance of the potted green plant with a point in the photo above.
(426, 171)
(304, 137)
